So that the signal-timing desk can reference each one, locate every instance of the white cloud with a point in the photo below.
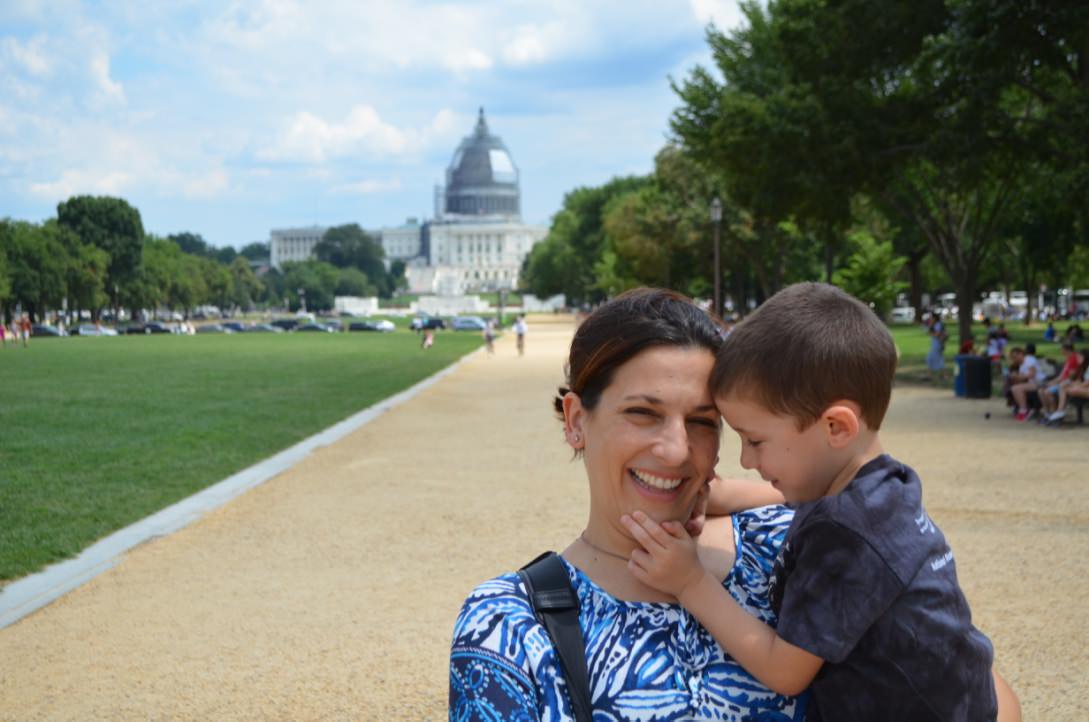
(468, 59)
(30, 56)
(100, 73)
(311, 139)
(369, 186)
(725, 14)
(74, 182)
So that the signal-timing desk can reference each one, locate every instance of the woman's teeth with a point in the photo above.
(656, 482)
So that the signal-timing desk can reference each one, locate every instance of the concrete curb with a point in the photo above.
(33, 592)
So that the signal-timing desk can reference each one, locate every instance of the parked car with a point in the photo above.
(383, 325)
(424, 322)
(213, 328)
(148, 328)
(286, 324)
(236, 326)
(902, 314)
(90, 329)
(45, 329)
(263, 328)
(468, 323)
(333, 325)
(312, 327)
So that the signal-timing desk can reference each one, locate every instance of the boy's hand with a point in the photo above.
(696, 520)
(668, 560)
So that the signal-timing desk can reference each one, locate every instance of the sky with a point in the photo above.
(228, 119)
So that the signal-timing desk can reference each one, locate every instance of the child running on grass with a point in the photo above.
(871, 616)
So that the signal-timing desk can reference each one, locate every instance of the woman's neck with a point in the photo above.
(603, 557)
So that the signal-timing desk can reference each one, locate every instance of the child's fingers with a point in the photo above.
(653, 528)
(640, 533)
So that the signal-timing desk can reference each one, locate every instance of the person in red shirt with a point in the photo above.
(1049, 394)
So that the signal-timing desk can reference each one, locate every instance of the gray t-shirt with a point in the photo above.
(865, 581)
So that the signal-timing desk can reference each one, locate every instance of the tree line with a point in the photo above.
(886, 145)
(95, 255)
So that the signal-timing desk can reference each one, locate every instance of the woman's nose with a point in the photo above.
(672, 444)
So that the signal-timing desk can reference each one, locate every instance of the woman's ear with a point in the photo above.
(841, 423)
(573, 415)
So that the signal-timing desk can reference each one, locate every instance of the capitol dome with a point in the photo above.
(482, 179)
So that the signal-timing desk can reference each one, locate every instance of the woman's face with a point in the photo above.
(652, 441)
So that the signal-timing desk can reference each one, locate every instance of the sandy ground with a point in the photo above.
(330, 592)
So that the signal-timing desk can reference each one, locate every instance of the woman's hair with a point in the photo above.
(620, 329)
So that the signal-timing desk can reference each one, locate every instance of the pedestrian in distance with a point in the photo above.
(428, 339)
(489, 336)
(24, 328)
(520, 329)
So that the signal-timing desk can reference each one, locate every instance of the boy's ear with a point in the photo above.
(573, 414)
(841, 422)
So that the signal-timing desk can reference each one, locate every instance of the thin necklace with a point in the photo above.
(595, 547)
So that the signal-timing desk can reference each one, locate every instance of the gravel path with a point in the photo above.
(330, 591)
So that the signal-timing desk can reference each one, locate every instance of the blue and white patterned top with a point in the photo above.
(646, 660)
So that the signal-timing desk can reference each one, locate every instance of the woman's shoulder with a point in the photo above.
(499, 600)
(764, 526)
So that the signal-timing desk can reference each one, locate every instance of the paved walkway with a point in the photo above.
(330, 591)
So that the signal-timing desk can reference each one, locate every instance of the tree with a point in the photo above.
(191, 243)
(36, 261)
(349, 246)
(316, 279)
(256, 251)
(863, 96)
(353, 282)
(871, 272)
(245, 286)
(112, 225)
(564, 261)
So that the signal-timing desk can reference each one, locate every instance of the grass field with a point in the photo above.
(914, 343)
(96, 433)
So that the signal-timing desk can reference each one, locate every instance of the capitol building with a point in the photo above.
(476, 240)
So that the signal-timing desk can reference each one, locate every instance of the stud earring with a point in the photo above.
(577, 437)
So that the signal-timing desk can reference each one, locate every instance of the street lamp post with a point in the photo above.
(716, 219)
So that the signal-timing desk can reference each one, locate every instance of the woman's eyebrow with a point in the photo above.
(657, 401)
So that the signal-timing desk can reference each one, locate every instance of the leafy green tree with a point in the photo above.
(256, 251)
(37, 262)
(564, 261)
(316, 279)
(245, 285)
(191, 243)
(112, 225)
(871, 272)
(349, 246)
(823, 100)
(353, 282)
(217, 282)
(397, 275)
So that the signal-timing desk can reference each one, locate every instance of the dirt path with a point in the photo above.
(330, 592)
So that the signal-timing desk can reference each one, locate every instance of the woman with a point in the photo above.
(638, 411)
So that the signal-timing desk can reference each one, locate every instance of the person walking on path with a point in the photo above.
(489, 336)
(520, 329)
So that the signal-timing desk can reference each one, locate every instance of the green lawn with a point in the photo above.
(96, 433)
(914, 343)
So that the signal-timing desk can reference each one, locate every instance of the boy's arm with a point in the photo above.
(668, 562)
(727, 496)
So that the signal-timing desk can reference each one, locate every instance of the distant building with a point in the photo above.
(293, 244)
(477, 241)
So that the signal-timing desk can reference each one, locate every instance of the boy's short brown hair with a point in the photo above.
(806, 347)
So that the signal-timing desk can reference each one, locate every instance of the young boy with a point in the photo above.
(870, 612)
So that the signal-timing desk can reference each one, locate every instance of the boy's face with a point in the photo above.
(800, 464)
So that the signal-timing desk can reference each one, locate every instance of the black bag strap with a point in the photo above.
(557, 608)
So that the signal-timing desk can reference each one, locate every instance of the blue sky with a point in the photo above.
(228, 119)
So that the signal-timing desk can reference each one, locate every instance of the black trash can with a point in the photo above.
(977, 377)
